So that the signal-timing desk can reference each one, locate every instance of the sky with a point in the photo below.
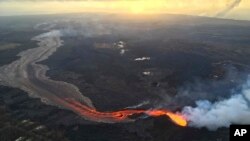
(232, 9)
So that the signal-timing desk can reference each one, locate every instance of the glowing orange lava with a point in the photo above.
(120, 116)
(176, 118)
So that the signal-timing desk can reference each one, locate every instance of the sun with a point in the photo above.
(137, 9)
(145, 6)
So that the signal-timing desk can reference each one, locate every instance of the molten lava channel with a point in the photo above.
(29, 76)
(122, 115)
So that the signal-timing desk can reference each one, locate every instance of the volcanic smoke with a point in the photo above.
(234, 110)
(230, 7)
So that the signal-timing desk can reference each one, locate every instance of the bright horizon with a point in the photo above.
(209, 8)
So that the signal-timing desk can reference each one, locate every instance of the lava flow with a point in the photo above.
(176, 118)
(119, 116)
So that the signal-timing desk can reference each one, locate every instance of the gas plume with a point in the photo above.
(222, 113)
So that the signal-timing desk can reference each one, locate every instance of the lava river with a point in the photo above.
(122, 115)
(28, 75)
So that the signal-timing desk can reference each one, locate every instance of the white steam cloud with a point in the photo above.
(235, 110)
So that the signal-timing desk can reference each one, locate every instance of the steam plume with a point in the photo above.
(234, 110)
(228, 8)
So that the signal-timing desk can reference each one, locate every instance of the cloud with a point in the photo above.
(229, 8)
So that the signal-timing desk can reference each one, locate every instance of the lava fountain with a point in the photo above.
(177, 118)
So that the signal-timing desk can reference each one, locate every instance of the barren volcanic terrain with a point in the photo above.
(105, 77)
